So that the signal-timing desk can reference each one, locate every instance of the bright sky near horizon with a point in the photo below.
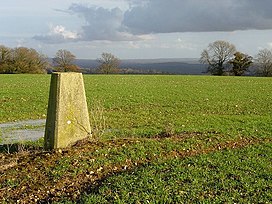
(135, 29)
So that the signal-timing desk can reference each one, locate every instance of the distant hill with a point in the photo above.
(189, 66)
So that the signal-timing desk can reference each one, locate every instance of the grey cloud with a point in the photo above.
(50, 39)
(58, 34)
(160, 16)
(163, 16)
(101, 23)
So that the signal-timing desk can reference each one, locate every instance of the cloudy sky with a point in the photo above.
(135, 28)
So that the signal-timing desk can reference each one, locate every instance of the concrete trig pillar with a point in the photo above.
(67, 115)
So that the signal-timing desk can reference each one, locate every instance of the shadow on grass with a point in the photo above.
(91, 187)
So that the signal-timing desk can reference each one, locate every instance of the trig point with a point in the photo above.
(67, 115)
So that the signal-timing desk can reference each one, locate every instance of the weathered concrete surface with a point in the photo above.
(67, 115)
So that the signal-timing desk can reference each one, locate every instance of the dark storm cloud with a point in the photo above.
(161, 16)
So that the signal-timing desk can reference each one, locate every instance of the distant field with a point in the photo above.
(161, 139)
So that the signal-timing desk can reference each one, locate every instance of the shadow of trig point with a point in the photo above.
(67, 114)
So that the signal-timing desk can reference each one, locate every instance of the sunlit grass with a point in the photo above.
(149, 105)
(160, 139)
(230, 176)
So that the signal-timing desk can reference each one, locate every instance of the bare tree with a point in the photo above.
(240, 63)
(217, 55)
(63, 61)
(109, 64)
(264, 63)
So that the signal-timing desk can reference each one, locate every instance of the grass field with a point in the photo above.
(160, 139)
(149, 105)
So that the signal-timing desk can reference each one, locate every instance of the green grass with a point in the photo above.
(230, 176)
(23, 97)
(149, 105)
(161, 139)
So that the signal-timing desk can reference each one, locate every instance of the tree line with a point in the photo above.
(222, 58)
(27, 60)
(21, 60)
